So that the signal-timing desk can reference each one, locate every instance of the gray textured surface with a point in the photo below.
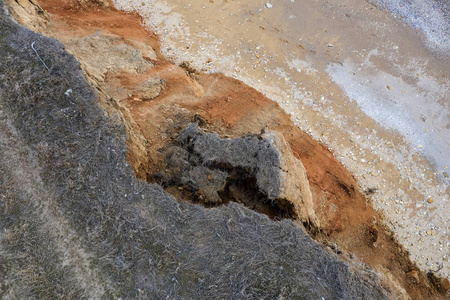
(252, 154)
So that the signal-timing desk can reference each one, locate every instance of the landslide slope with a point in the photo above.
(76, 223)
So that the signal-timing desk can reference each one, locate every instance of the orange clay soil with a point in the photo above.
(349, 224)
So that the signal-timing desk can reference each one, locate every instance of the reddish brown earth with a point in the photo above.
(349, 224)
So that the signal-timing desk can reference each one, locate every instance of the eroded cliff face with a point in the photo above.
(157, 100)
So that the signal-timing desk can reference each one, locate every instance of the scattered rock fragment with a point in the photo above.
(151, 89)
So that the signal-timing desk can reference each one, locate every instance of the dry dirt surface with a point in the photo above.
(157, 99)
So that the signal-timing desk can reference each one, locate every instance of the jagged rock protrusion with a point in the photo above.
(247, 170)
(294, 185)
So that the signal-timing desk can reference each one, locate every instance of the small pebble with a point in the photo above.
(430, 200)
(268, 5)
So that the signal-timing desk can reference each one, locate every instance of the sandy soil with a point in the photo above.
(156, 98)
(349, 74)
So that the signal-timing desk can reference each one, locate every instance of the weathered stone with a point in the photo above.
(294, 184)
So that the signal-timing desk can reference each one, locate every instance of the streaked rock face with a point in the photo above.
(294, 184)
